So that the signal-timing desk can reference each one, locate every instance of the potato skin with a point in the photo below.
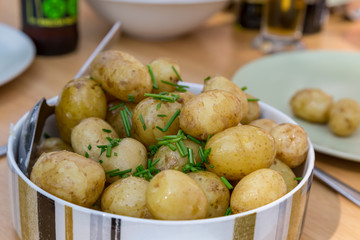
(89, 132)
(264, 123)
(173, 195)
(121, 75)
(69, 176)
(53, 144)
(291, 143)
(172, 159)
(113, 117)
(253, 112)
(286, 173)
(127, 197)
(148, 109)
(80, 98)
(311, 104)
(240, 150)
(217, 193)
(130, 153)
(222, 83)
(162, 70)
(210, 112)
(344, 118)
(257, 189)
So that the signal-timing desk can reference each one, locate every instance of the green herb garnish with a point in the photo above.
(126, 122)
(155, 86)
(298, 178)
(142, 121)
(86, 154)
(177, 74)
(207, 79)
(106, 130)
(116, 106)
(89, 147)
(168, 124)
(226, 182)
(253, 99)
(131, 98)
(228, 211)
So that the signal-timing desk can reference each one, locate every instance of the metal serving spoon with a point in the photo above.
(35, 120)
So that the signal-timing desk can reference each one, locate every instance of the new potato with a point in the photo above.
(238, 151)
(210, 112)
(257, 189)
(127, 197)
(80, 98)
(69, 176)
(286, 172)
(121, 75)
(169, 200)
(164, 74)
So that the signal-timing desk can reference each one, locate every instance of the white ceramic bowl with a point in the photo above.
(157, 19)
(37, 214)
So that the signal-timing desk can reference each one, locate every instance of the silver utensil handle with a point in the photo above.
(3, 150)
(345, 190)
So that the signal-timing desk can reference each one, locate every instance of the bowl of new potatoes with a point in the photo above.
(135, 152)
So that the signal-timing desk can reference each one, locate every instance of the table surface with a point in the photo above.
(218, 47)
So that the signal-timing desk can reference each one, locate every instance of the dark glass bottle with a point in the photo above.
(316, 13)
(250, 12)
(51, 24)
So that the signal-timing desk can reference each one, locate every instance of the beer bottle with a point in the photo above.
(51, 24)
(250, 12)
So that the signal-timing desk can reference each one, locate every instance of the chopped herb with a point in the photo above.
(162, 97)
(228, 211)
(212, 166)
(172, 119)
(190, 156)
(177, 74)
(226, 182)
(126, 122)
(122, 174)
(46, 135)
(86, 154)
(179, 88)
(108, 148)
(100, 161)
(158, 106)
(89, 147)
(298, 178)
(128, 111)
(181, 148)
(115, 154)
(112, 171)
(244, 88)
(116, 106)
(91, 78)
(207, 79)
(155, 86)
(193, 139)
(152, 150)
(172, 147)
(253, 99)
(161, 115)
(142, 121)
(106, 130)
(131, 98)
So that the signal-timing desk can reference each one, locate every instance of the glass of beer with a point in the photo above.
(282, 25)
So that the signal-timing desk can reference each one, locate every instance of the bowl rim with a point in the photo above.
(310, 161)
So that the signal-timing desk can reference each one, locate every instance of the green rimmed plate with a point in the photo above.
(275, 78)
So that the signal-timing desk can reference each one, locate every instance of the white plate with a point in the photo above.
(275, 78)
(17, 51)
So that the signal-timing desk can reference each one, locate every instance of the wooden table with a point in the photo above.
(216, 48)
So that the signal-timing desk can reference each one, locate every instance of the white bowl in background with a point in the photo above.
(157, 19)
(37, 214)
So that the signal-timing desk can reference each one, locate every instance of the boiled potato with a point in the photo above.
(286, 173)
(240, 150)
(129, 154)
(184, 97)
(90, 133)
(53, 144)
(113, 117)
(264, 123)
(162, 69)
(122, 75)
(209, 113)
(218, 195)
(80, 98)
(127, 197)
(170, 159)
(311, 104)
(155, 113)
(253, 112)
(257, 189)
(344, 117)
(69, 176)
(291, 143)
(222, 83)
(173, 195)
